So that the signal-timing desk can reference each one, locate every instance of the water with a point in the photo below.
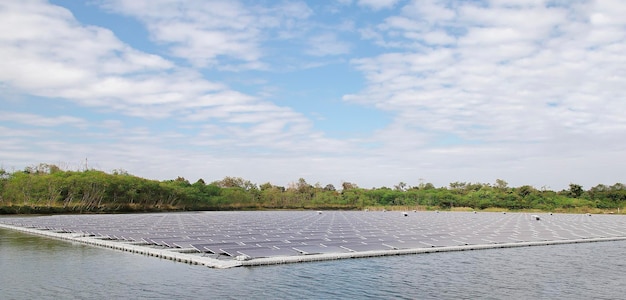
(33, 267)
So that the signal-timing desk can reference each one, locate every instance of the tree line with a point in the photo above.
(49, 189)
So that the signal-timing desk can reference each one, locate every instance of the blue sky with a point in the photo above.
(374, 92)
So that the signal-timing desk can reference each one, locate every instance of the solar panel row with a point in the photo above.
(285, 233)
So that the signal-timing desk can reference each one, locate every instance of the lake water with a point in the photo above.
(33, 267)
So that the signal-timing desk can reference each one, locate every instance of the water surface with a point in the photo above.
(34, 267)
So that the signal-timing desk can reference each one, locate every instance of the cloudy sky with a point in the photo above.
(372, 92)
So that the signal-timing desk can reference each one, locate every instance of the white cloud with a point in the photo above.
(506, 89)
(51, 52)
(203, 32)
(432, 11)
(91, 67)
(327, 44)
(516, 90)
(377, 4)
(37, 120)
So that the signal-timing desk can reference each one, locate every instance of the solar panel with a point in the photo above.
(319, 249)
(442, 243)
(267, 234)
(267, 252)
(214, 247)
(233, 250)
(366, 247)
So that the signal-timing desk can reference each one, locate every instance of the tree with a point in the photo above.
(348, 186)
(120, 172)
(329, 188)
(525, 190)
(4, 178)
(302, 186)
(47, 186)
(182, 181)
(230, 182)
(458, 185)
(427, 186)
(501, 184)
(401, 186)
(265, 186)
(575, 190)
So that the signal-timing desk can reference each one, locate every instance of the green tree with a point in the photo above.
(575, 190)
(501, 184)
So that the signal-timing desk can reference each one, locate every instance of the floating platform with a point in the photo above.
(232, 239)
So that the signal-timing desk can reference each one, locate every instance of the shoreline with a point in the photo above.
(47, 211)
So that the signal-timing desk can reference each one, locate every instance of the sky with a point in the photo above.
(372, 92)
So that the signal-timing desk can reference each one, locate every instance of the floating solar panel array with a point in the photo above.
(254, 235)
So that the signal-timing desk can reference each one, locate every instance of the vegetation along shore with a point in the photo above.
(45, 188)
